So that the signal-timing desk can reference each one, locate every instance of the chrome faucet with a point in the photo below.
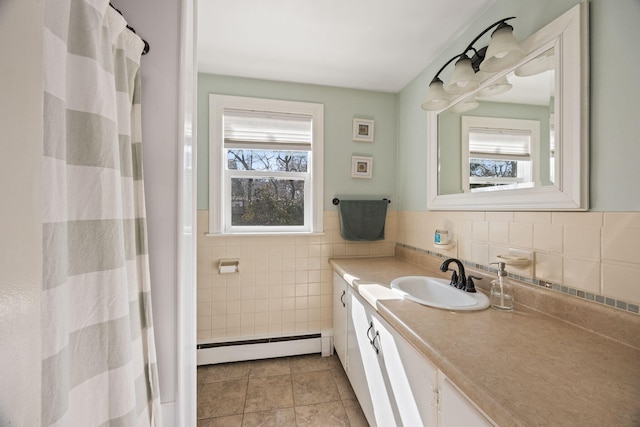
(459, 278)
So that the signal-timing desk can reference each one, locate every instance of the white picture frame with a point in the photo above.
(363, 130)
(361, 167)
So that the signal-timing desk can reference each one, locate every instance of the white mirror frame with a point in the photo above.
(569, 35)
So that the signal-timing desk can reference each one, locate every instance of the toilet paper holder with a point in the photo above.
(226, 266)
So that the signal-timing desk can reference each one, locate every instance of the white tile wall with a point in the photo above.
(547, 237)
(582, 274)
(621, 280)
(591, 251)
(582, 242)
(284, 284)
(521, 234)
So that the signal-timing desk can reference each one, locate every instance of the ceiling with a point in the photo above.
(374, 44)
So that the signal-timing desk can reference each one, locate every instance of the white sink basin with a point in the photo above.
(435, 292)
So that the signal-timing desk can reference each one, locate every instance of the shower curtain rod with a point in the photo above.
(146, 48)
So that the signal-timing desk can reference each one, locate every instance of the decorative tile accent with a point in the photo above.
(578, 293)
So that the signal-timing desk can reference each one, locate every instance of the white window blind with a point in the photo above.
(499, 143)
(267, 130)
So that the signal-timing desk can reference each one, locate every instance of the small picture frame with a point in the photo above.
(361, 167)
(363, 130)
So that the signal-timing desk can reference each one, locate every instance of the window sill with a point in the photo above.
(268, 234)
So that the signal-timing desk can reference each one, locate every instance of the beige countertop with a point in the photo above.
(520, 368)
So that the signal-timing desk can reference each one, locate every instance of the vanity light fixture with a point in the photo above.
(503, 52)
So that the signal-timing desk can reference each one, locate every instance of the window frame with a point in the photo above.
(220, 177)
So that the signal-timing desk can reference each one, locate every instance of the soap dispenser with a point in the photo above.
(501, 290)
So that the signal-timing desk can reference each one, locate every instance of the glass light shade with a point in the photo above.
(503, 51)
(466, 105)
(483, 75)
(437, 98)
(499, 87)
(463, 79)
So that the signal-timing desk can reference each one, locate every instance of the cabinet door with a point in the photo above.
(411, 379)
(362, 364)
(340, 288)
(456, 409)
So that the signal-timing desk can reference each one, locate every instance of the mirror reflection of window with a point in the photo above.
(499, 157)
(525, 93)
(499, 153)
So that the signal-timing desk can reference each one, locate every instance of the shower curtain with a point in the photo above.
(99, 361)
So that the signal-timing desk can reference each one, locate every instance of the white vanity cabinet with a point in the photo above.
(394, 383)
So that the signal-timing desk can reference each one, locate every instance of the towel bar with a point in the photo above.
(336, 201)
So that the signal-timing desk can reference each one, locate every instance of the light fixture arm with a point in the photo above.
(485, 31)
(479, 54)
(436, 77)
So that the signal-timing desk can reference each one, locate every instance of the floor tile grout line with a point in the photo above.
(293, 395)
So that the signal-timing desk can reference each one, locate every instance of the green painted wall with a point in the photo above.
(614, 93)
(341, 106)
(400, 149)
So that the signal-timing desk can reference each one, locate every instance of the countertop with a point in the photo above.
(521, 368)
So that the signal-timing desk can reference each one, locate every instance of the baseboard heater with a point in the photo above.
(262, 348)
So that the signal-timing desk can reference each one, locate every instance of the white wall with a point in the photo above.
(20, 210)
(185, 406)
(158, 22)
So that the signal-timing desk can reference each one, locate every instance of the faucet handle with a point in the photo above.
(454, 278)
(470, 285)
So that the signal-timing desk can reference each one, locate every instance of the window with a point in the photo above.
(265, 166)
(499, 153)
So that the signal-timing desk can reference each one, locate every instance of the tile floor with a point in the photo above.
(297, 391)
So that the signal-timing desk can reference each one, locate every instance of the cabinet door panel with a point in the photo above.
(361, 359)
(340, 289)
(411, 378)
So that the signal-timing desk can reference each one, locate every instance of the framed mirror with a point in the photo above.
(520, 140)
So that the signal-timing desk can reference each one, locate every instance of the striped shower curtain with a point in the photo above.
(99, 361)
